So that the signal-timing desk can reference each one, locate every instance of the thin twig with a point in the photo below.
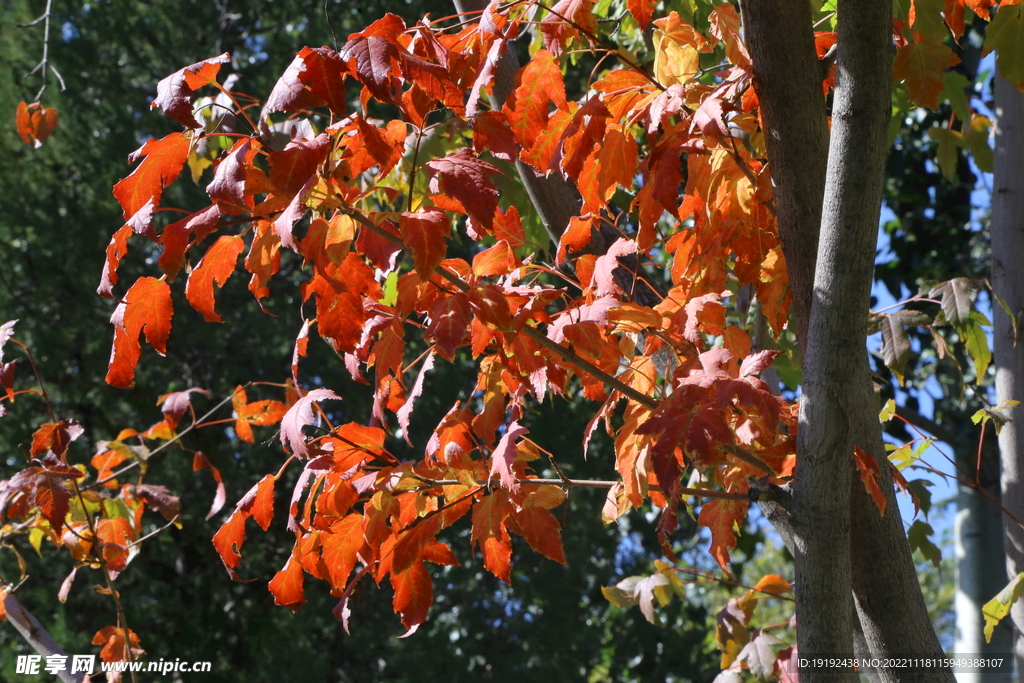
(135, 463)
(39, 378)
(44, 64)
(154, 532)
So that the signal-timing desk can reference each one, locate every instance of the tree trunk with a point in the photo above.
(38, 638)
(979, 526)
(840, 407)
(1007, 231)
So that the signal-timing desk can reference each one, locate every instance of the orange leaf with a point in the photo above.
(439, 553)
(259, 502)
(162, 162)
(774, 585)
(116, 250)
(868, 469)
(541, 85)
(146, 308)
(286, 586)
(260, 413)
(723, 518)
(176, 237)
(642, 11)
(617, 158)
(409, 547)
(215, 268)
(490, 535)
(341, 547)
(229, 540)
(116, 535)
(35, 123)
(199, 462)
(174, 93)
(575, 238)
(542, 531)
(115, 645)
(55, 436)
(413, 594)
(920, 63)
(497, 260)
(425, 234)
(558, 33)
(328, 243)
(263, 260)
(509, 227)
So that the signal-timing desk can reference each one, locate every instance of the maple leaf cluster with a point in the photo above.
(372, 221)
(645, 308)
(90, 509)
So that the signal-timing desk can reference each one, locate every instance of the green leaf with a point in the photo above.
(918, 536)
(977, 140)
(1005, 34)
(977, 344)
(956, 299)
(954, 89)
(946, 155)
(928, 19)
(919, 487)
(997, 414)
(618, 597)
(390, 289)
(888, 410)
(999, 606)
(905, 455)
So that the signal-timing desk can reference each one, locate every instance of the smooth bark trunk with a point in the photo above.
(38, 638)
(888, 602)
(979, 539)
(1007, 231)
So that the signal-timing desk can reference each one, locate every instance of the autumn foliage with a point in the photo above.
(340, 169)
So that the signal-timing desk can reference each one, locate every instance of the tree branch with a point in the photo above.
(36, 636)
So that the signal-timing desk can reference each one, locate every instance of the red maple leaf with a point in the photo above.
(215, 268)
(286, 586)
(162, 161)
(425, 233)
(46, 487)
(723, 517)
(375, 52)
(174, 93)
(35, 123)
(464, 177)
(56, 437)
(449, 323)
(490, 534)
(146, 309)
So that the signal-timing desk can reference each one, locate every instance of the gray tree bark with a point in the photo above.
(38, 638)
(1007, 229)
(979, 540)
(840, 408)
